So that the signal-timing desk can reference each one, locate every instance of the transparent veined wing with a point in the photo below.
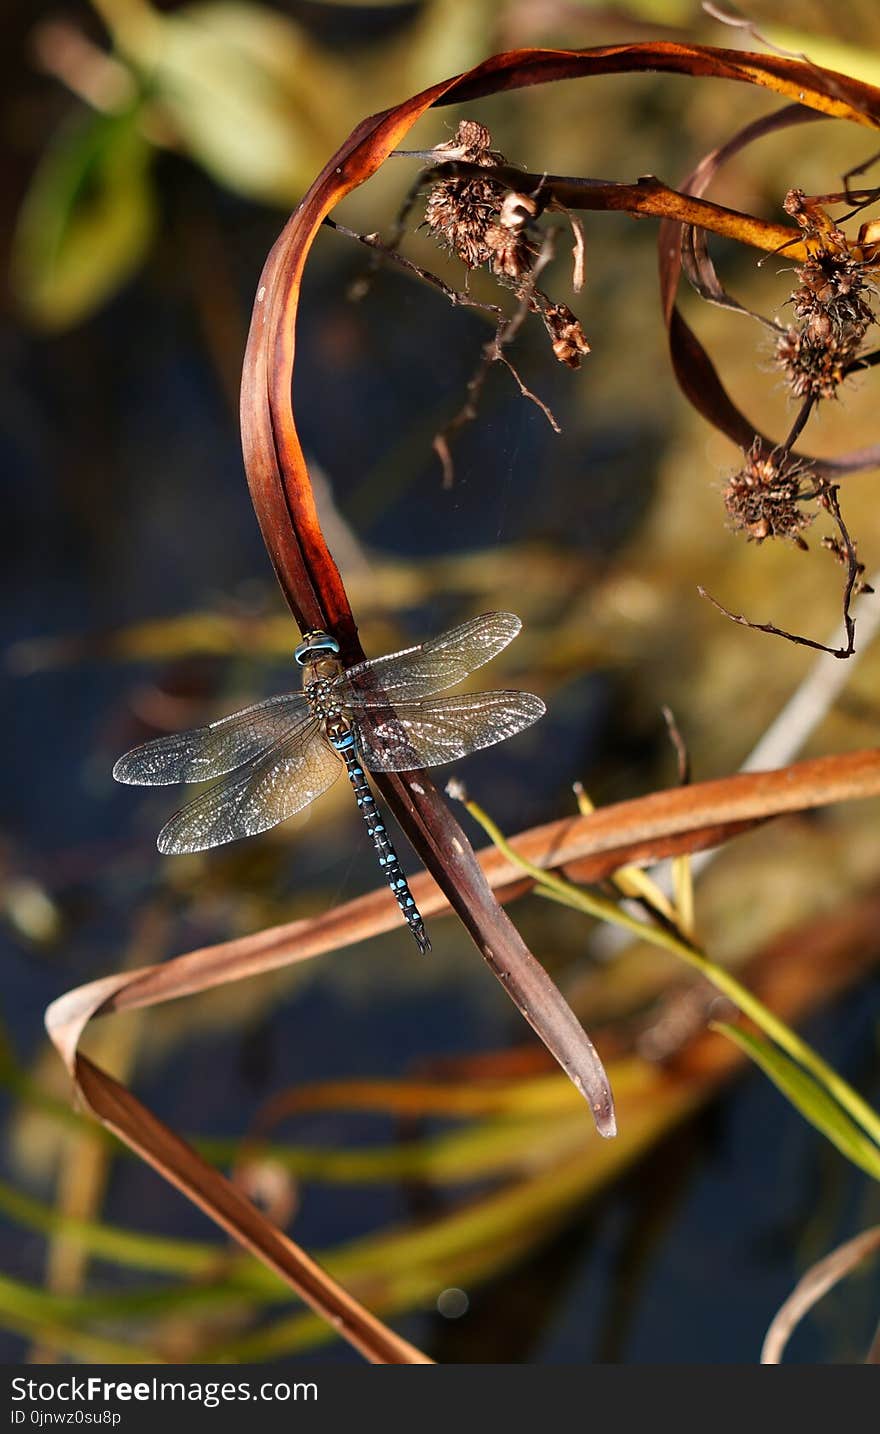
(283, 781)
(211, 751)
(441, 729)
(432, 666)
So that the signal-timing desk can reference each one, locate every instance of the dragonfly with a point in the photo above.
(381, 715)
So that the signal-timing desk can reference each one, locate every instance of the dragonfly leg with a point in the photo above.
(347, 749)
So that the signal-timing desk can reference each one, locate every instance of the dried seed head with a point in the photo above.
(831, 304)
(482, 221)
(459, 212)
(472, 144)
(476, 217)
(762, 499)
(510, 253)
(815, 360)
(833, 288)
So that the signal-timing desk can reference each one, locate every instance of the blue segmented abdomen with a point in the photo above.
(347, 749)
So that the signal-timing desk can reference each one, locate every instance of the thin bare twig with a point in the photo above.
(361, 286)
(852, 195)
(780, 743)
(506, 330)
(493, 352)
(678, 742)
(854, 569)
(457, 297)
(799, 424)
(813, 700)
(741, 22)
(774, 631)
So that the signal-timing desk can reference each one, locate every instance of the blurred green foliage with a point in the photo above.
(88, 218)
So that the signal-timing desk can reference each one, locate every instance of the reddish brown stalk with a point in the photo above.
(648, 197)
(585, 848)
(124, 1114)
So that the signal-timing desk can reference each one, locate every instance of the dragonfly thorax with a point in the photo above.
(320, 689)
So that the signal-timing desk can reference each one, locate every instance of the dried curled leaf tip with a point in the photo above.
(763, 497)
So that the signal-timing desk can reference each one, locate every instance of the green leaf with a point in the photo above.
(86, 221)
(807, 1096)
(246, 93)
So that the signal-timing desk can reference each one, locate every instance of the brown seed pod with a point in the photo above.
(459, 212)
(815, 365)
(569, 339)
(763, 498)
(831, 304)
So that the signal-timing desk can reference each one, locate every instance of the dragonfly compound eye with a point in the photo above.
(315, 645)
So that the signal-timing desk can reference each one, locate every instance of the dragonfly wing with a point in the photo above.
(432, 666)
(283, 781)
(441, 729)
(212, 751)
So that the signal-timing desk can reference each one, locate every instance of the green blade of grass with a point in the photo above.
(806, 1095)
(34, 1314)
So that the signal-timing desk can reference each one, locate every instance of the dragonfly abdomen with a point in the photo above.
(388, 860)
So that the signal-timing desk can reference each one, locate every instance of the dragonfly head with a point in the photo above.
(314, 646)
